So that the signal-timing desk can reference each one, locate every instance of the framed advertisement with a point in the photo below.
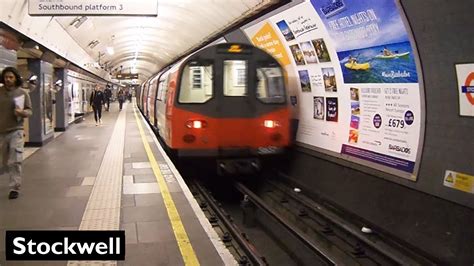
(357, 58)
(47, 112)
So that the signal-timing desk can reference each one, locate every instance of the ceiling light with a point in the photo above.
(93, 44)
(77, 22)
(110, 50)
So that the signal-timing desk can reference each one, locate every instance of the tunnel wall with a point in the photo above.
(426, 214)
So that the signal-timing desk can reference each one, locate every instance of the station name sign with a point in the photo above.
(93, 7)
(127, 76)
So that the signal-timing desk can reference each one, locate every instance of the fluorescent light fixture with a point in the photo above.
(77, 22)
(93, 44)
(110, 50)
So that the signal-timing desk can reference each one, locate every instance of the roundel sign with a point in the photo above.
(465, 75)
(468, 84)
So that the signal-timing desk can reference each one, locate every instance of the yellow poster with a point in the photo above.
(459, 181)
(267, 40)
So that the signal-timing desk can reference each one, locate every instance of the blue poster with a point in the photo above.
(371, 41)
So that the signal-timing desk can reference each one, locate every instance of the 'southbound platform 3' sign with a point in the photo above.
(93, 7)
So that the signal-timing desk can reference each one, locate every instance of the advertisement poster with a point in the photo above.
(47, 104)
(353, 71)
(465, 75)
(69, 91)
(371, 41)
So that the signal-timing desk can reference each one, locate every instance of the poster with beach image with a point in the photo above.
(371, 41)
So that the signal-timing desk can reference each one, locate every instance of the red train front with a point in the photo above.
(227, 101)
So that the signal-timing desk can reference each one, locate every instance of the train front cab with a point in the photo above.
(231, 104)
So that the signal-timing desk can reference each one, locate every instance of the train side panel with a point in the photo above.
(161, 103)
(145, 100)
(169, 109)
(152, 93)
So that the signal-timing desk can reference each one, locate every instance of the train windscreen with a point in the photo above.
(235, 78)
(270, 86)
(196, 83)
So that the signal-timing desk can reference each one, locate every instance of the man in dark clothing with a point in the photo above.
(15, 105)
(108, 95)
(121, 98)
(96, 101)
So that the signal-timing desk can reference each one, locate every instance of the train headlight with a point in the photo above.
(196, 124)
(271, 123)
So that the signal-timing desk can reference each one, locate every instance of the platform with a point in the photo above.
(112, 177)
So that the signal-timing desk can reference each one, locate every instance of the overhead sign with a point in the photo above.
(465, 74)
(127, 76)
(93, 7)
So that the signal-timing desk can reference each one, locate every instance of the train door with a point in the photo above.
(145, 98)
(235, 100)
(152, 94)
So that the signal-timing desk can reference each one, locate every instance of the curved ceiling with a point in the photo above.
(144, 45)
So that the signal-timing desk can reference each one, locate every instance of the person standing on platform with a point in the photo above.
(108, 95)
(121, 98)
(96, 101)
(15, 105)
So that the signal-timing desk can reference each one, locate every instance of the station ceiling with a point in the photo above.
(146, 44)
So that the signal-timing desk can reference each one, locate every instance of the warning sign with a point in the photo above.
(465, 74)
(459, 181)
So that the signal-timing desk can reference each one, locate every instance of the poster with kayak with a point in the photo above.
(353, 69)
(371, 41)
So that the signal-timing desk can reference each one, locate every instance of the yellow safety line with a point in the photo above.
(187, 251)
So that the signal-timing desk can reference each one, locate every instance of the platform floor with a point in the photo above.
(112, 177)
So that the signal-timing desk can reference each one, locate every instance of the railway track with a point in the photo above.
(231, 235)
(344, 241)
(308, 232)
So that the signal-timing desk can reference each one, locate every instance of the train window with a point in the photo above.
(235, 78)
(165, 89)
(196, 83)
(160, 90)
(270, 86)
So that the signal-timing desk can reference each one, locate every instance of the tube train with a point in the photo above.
(227, 102)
